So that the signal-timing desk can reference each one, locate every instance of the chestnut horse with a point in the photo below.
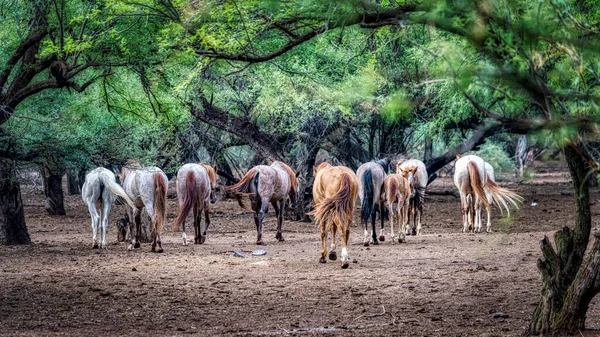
(196, 184)
(397, 191)
(147, 187)
(99, 191)
(418, 182)
(370, 183)
(267, 184)
(334, 191)
(472, 181)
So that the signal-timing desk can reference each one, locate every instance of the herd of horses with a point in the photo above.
(335, 190)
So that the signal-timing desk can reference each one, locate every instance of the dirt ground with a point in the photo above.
(443, 283)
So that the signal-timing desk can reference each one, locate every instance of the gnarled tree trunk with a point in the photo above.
(568, 286)
(53, 171)
(12, 218)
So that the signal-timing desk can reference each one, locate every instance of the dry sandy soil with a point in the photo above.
(443, 283)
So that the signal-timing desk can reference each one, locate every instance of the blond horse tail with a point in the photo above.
(160, 203)
(339, 207)
(114, 188)
(476, 183)
(190, 199)
(503, 196)
(242, 188)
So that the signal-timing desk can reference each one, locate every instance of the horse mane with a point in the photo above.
(212, 174)
(293, 178)
(321, 166)
(385, 163)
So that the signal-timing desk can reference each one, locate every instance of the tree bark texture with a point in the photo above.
(568, 286)
(53, 171)
(12, 217)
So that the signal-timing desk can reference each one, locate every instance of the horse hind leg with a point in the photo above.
(373, 227)
(332, 253)
(322, 259)
(197, 224)
(382, 216)
(135, 228)
(344, 232)
(95, 222)
(206, 224)
(107, 202)
(258, 219)
(279, 212)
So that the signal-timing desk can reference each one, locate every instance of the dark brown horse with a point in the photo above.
(267, 184)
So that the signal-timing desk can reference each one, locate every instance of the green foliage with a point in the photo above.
(496, 156)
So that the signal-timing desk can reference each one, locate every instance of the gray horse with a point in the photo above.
(371, 176)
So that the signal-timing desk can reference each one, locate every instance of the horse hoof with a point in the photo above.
(202, 239)
(130, 248)
(260, 242)
(332, 255)
(375, 242)
(159, 250)
(366, 244)
(279, 237)
(322, 259)
(95, 246)
(400, 240)
(345, 265)
(137, 245)
(381, 238)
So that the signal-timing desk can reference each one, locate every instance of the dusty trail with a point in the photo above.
(441, 283)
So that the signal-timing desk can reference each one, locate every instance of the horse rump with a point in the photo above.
(190, 199)
(337, 208)
(243, 187)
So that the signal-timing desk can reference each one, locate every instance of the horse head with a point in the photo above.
(410, 173)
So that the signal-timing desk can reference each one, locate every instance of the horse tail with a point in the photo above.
(502, 196)
(160, 203)
(111, 185)
(367, 203)
(476, 183)
(190, 199)
(242, 188)
(339, 207)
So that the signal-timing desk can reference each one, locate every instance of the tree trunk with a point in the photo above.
(81, 179)
(54, 193)
(306, 180)
(568, 289)
(12, 218)
(73, 183)
(428, 155)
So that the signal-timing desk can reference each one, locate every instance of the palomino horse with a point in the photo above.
(147, 187)
(397, 191)
(195, 189)
(334, 192)
(267, 184)
(370, 183)
(417, 197)
(472, 181)
(99, 191)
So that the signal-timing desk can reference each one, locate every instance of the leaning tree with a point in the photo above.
(59, 45)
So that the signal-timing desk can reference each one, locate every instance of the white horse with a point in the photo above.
(147, 187)
(99, 192)
(195, 189)
(417, 197)
(475, 188)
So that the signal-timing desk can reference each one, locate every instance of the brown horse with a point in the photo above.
(397, 190)
(267, 184)
(335, 191)
(195, 189)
